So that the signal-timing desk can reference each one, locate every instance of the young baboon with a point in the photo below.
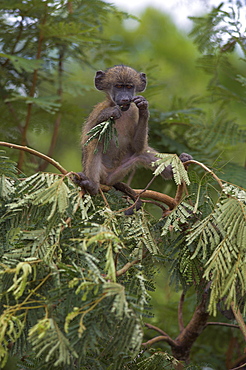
(131, 114)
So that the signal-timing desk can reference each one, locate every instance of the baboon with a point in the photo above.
(131, 114)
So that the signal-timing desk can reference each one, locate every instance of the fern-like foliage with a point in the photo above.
(57, 346)
(218, 35)
(209, 31)
(177, 218)
(179, 172)
(158, 360)
(7, 166)
(103, 132)
(60, 260)
(220, 239)
(139, 230)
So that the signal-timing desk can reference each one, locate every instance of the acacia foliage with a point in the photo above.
(75, 272)
(60, 297)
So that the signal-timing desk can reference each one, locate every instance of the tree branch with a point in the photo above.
(161, 338)
(191, 332)
(179, 193)
(169, 201)
(223, 324)
(180, 312)
(104, 198)
(206, 169)
(38, 154)
(127, 266)
(239, 318)
(155, 203)
(242, 367)
(149, 326)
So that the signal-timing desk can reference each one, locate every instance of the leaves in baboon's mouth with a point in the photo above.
(124, 107)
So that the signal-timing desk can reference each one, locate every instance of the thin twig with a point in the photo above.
(70, 6)
(239, 367)
(104, 198)
(206, 169)
(149, 183)
(179, 192)
(223, 324)
(139, 195)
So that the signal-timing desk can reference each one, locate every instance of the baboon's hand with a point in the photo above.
(110, 112)
(140, 102)
(167, 173)
(184, 157)
(116, 112)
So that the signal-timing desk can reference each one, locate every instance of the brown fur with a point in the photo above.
(121, 75)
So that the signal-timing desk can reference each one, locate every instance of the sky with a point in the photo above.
(178, 9)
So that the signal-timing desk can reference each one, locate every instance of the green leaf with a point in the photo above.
(23, 64)
(179, 172)
(7, 166)
(221, 238)
(22, 271)
(11, 328)
(105, 132)
(47, 103)
(48, 340)
(120, 305)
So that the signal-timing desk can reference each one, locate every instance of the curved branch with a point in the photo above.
(38, 154)
(155, 203)
(163, 198)
(149, 326)
(206, 169)
(160, 338)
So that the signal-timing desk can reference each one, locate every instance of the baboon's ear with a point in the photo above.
(143, 83)
(99, 80)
